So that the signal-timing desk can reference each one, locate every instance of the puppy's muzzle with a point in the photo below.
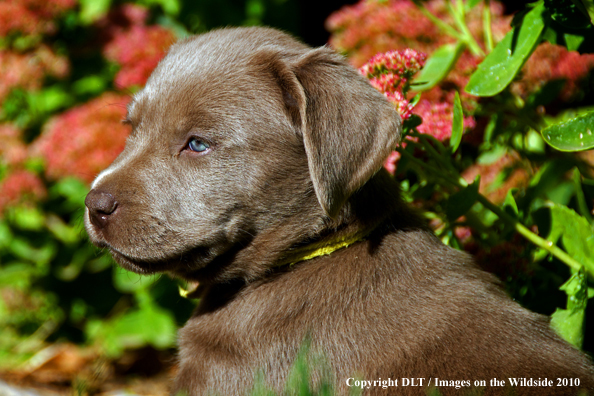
(102, 206)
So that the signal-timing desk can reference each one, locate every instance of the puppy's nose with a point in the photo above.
(101, 205)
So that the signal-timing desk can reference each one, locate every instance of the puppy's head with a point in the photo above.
(243, 141)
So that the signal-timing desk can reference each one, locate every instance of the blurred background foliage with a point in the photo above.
(68, 68)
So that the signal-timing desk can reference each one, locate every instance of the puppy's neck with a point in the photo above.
(376, 207)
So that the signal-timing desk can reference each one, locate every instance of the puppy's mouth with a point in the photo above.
(139, 266)
(184, 262)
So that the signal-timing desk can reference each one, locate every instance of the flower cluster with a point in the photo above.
(27, 70)
(13, 151)
(136, 47)
(31, 17)
(20, 186)
(85, 139)
(402, 64)
(390, 73)
(371, 26)
(437, 119)
(551, 62)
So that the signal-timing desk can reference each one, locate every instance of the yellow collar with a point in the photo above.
(308, 252)
(322, 248)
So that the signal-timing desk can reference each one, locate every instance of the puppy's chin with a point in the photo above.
(177, 265)
(139, 266)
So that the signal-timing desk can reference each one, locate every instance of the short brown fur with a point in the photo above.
(296, 142)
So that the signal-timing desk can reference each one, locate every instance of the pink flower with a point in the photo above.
(553, 62)
(437, 119)
(402, 64)
(27, 70)
(85, 139)
(390, 72)
(13, 150)
(31, 16)
(403, 107)
(20, 186)
(137, 48)
(391, 161)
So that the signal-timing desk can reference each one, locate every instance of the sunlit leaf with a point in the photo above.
(92, 10)
(438, 66)
(569, 323)
(577, 235)
(576, 134)
(457, 124)
(509, 204)
(505, 61)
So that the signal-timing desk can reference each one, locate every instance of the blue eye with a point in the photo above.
(198, 145)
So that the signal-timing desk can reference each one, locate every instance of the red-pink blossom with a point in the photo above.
(85, 139)
(390, 72)
(27, 70)
(391, 161)
(402, 64)
(19, 186)
(13, 151)
(403, 106)
(551, 62)
(135, 47)
(437, 119)
(31, 16)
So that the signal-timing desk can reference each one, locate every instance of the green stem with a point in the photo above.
(439, 23)
(579, 194)
(532, 237)
(487, 26)
(466, 35)
(542, 243)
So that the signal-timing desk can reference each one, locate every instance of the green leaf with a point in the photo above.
(6, 234)
(461, 202)
(509, 204)
(574, 135)
(577, 235)
(588, 6)
(470, 4)
(91, 10)
(569, 323)
(457, 124)
(17, 275)
(27, 218)
(129, 282)
(500, 67)
(148, 325)
(73, 190)
(170, 7)
(62, 231)
(92, 85)
(23, 249)
(50, 99)
(573, 39)
(438, 66)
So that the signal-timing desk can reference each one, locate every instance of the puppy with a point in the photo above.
(254, 168)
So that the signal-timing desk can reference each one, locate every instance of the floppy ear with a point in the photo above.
(348, 127)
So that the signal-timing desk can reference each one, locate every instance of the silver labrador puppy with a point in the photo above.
(254, 167)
